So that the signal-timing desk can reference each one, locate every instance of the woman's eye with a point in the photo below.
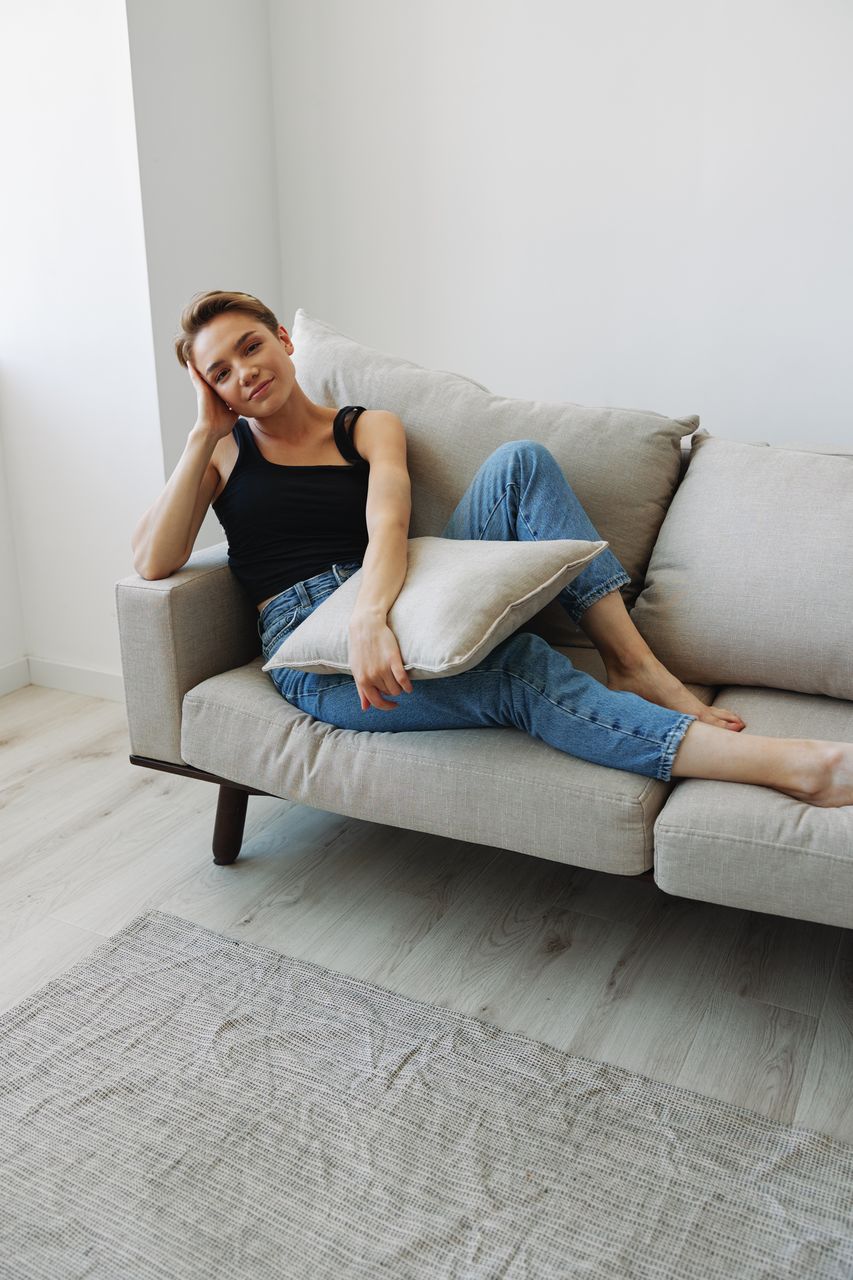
(220, 375)
(252, 345)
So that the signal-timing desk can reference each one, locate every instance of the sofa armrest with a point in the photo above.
(174, 633)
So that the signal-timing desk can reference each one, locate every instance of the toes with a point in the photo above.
(723, 719)
(730, 715)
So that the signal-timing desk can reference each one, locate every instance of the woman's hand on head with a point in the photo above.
(214, 417)
(376, 664)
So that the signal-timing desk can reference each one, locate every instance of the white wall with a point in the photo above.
(14, 671)
(116, 221)
(616, 204)
(205, 134)
(78, 409)
(640, 205)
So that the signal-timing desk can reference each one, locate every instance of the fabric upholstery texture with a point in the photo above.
(622, 463)
(459, 600)
(751, 578)
(496, 786)
(754, 847)
(175, 632)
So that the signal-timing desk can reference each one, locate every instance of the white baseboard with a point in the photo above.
(14, 675)
(95, 684)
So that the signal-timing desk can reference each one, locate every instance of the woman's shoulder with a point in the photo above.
(376, 415)
(376, 429)
(374, 421)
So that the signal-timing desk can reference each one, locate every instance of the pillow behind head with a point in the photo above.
(751, 578)
(460, 599)
(622, 463)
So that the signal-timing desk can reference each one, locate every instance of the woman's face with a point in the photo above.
(245, 363)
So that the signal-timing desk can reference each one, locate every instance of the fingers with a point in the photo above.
(202, 389)
(383, 677)
(377, 694)
(403, 679)
(373, 697)
(196, 379)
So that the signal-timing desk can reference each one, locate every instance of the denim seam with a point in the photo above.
(627, 733)
(521, 516)
(593, 792)
(490, 516)
(671, 745)
(315, 693)
(596, 593)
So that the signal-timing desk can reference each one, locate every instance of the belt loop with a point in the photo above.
(304, 598)
(343, 571)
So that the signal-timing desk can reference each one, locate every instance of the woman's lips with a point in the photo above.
(260, 390)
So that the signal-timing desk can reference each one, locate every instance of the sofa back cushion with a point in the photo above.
(751, 578)
(622, 463)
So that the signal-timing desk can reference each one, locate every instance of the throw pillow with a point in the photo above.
(459, 600)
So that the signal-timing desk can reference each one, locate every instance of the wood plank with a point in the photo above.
(752, 1009)
(786, 963)
(652, 1001)
(826, 1098)
(750, 1053)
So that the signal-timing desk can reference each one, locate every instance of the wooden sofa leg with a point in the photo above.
(230, 820)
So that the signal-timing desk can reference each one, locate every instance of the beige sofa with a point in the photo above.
(741, 564)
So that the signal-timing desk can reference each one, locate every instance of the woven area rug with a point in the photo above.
(181, 1104)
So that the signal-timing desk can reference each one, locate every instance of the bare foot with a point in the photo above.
(813, 770)
(827, 774)
(652, 681)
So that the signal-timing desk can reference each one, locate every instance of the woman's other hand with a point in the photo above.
(214, 417)
(376, 663)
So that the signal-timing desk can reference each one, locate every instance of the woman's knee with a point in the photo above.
(521, 460)
(521, 450)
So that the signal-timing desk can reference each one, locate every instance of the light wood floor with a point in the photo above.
(744, 1007)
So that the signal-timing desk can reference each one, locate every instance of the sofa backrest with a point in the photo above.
(751, 578)
(624, 464)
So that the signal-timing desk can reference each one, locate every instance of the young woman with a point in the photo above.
(307, 495)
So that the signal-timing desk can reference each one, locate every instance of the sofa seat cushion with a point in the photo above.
(756, 848)
(460, 783)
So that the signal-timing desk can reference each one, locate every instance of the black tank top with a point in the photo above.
(285, 524)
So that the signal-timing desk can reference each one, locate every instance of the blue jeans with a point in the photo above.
(519, 493)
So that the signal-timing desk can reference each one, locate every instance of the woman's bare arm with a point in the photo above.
(375, 658)
(163, 539)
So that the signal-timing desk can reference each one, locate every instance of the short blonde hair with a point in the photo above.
(204, 307)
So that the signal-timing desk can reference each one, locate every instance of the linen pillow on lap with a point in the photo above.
(622, 463)
(459, 600)
(751, 578)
